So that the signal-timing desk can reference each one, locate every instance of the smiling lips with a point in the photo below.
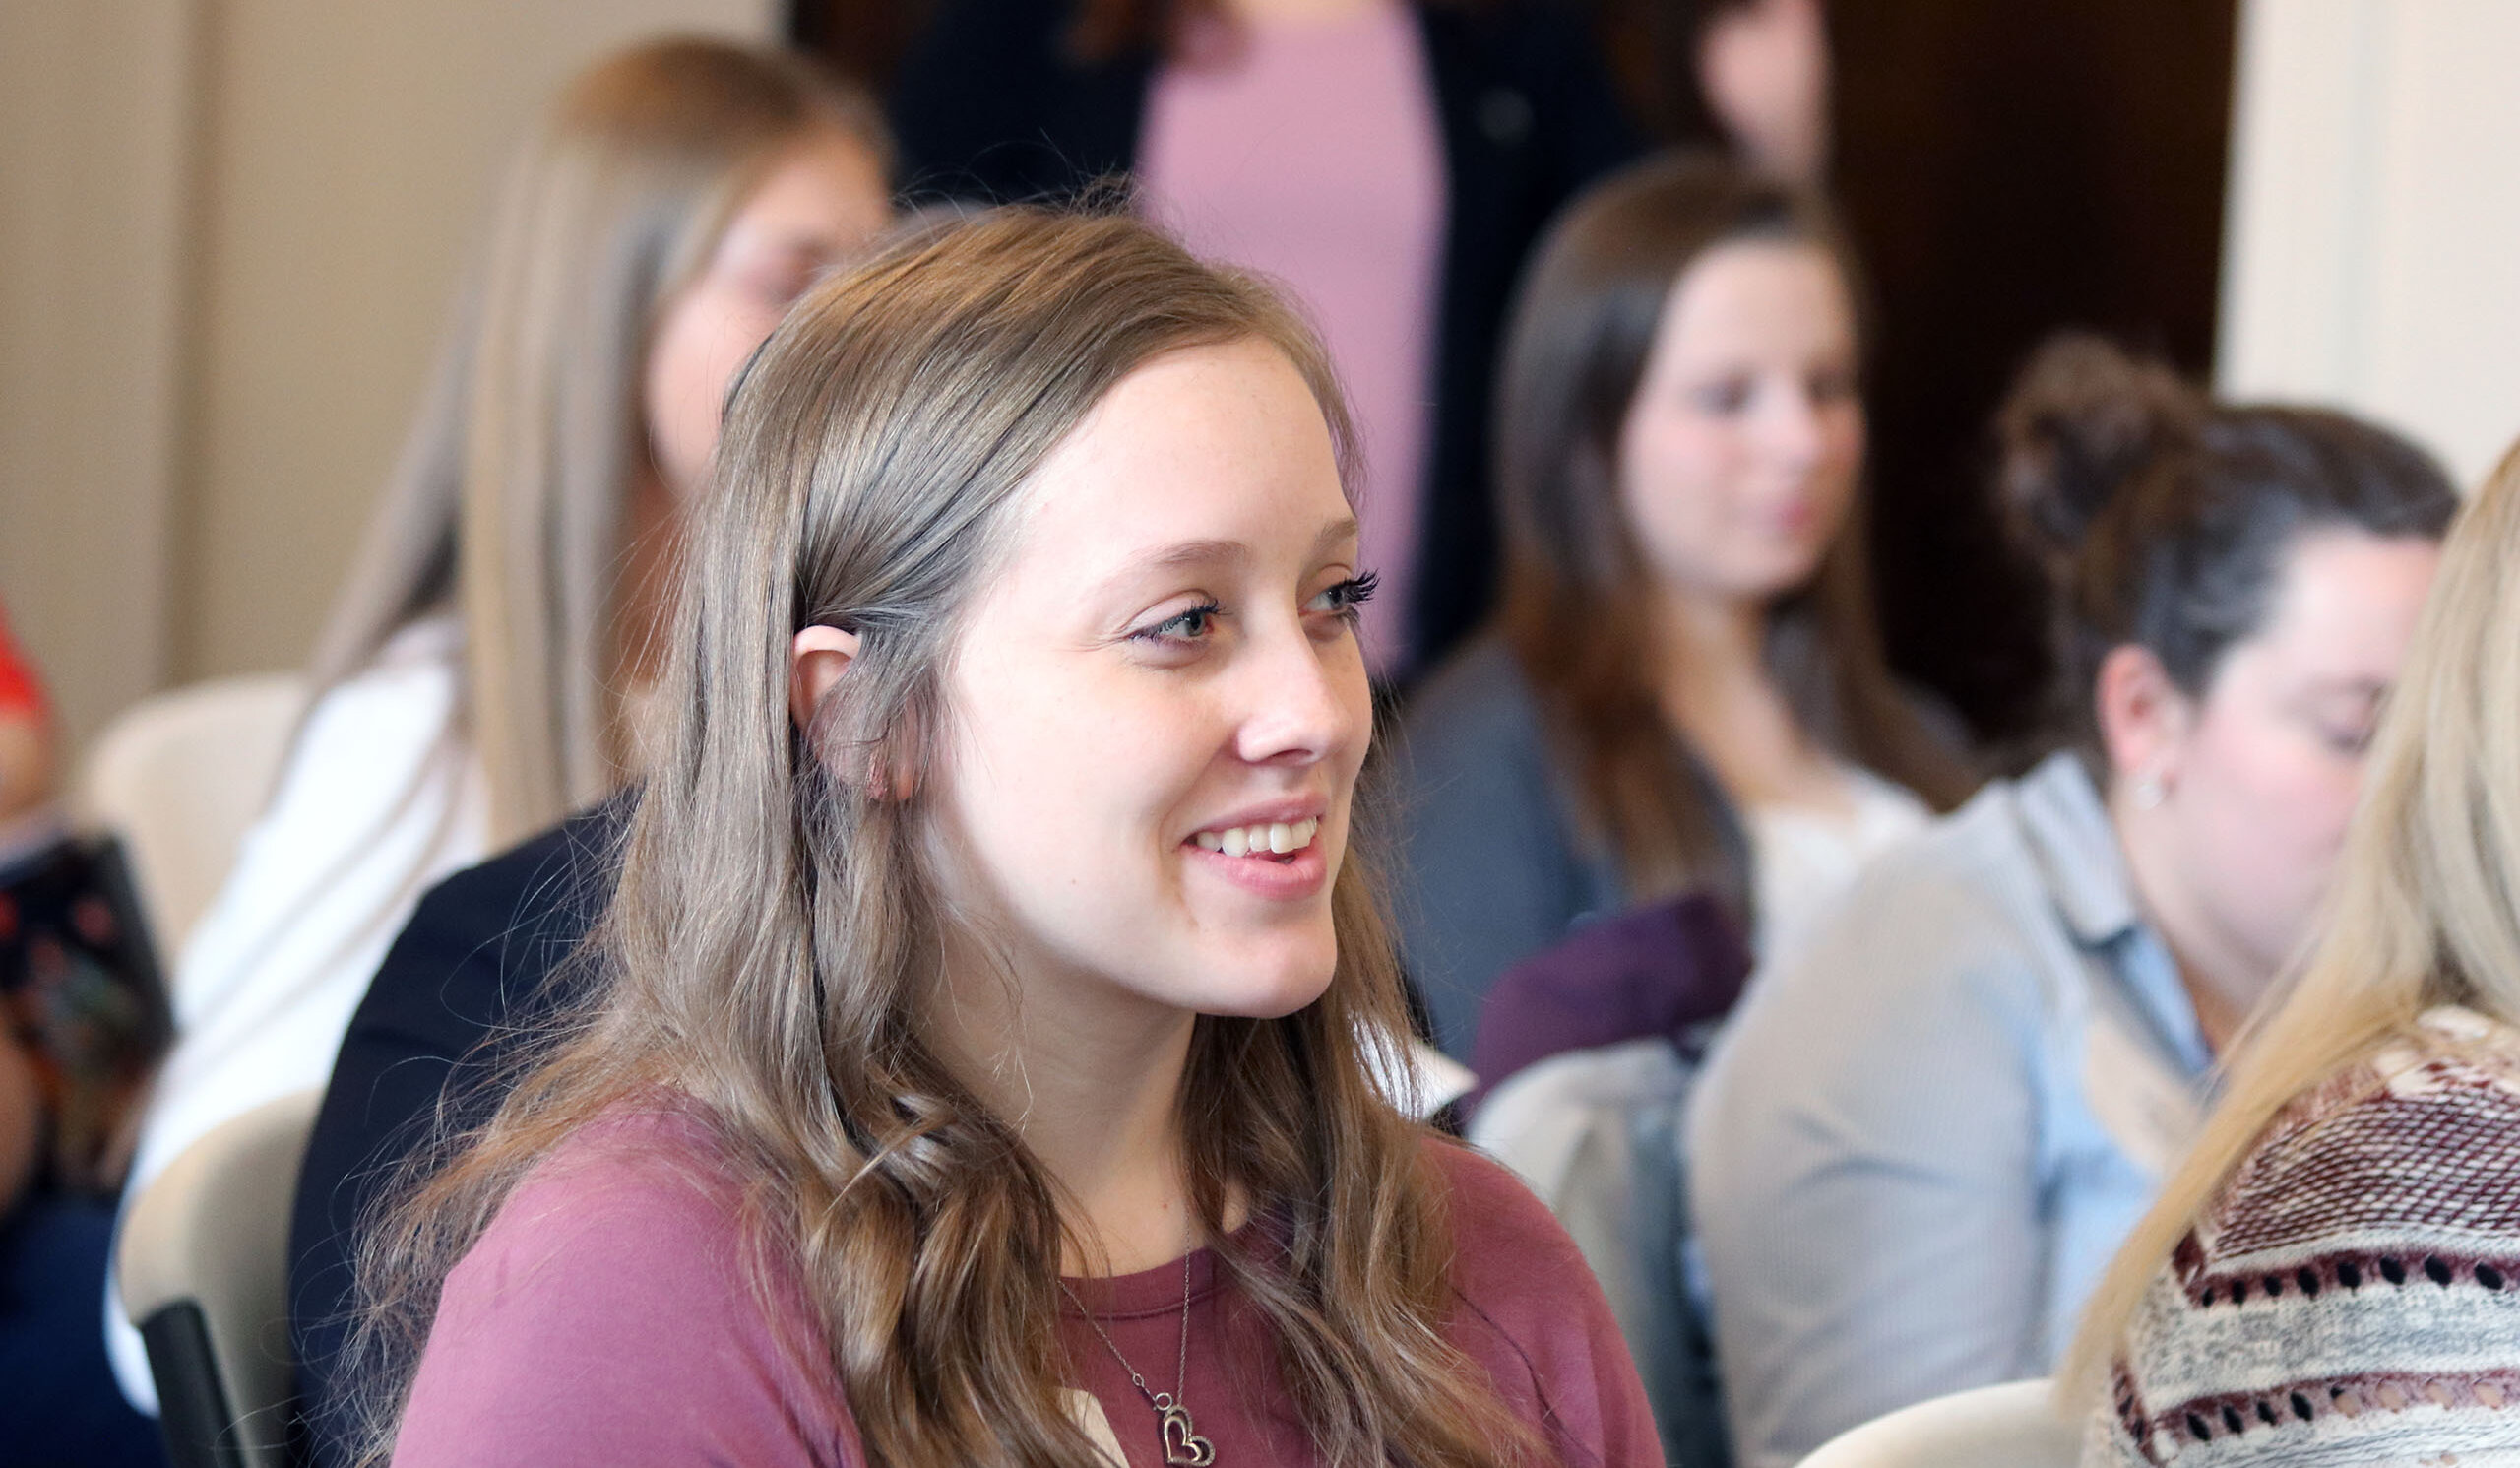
(1278, 862)
(1272, 839)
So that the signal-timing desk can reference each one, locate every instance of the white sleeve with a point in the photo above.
(381, 798)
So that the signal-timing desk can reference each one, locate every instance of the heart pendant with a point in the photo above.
(1182, 1448)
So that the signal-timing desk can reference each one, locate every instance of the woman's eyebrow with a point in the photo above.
(1334, 534)
(1180, 554)
(1203, 554)
(1125, 582)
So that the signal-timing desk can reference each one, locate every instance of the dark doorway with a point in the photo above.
(864, 39)
(2007, 170)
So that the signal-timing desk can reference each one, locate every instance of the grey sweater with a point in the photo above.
(1491, 867)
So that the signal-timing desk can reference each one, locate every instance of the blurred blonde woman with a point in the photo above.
(2333, 1273)
(482, 672)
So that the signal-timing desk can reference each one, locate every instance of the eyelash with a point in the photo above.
(2344, 740)
(1164, 630)
(1346, 600)
(1349, 598)
(1733, 396)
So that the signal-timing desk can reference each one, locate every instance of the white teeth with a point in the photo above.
(1272, 839)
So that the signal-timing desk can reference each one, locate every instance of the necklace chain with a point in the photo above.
(1159, 1400)
(1167, 1405)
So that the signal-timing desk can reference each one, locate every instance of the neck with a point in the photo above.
(2223, 979)
(1711, 673)
(1091, 1078)
(1294, 12)
(1708, 644)
(1713, 681)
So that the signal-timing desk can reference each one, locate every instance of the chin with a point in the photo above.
(1264, 992)
(1789, 573)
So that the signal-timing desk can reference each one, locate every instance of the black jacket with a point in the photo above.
(483, 953)
(991, 105)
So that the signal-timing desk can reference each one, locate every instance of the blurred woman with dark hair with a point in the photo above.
(1685, 690)
(1747, 76)
(1926, 1129)
(2328, 1276)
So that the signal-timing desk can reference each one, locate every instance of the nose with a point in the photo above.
(1303, 701)
(1793, 428)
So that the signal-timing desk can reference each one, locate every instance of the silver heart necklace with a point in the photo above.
(1183, 1448)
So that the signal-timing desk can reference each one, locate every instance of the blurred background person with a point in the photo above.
(26, 742)
(60, 1405)
(1390, 160)
(485, 664)
(1750, 77)
(2005, 169)
(2333, 1272)
(1684, 688)
(1926, 1130)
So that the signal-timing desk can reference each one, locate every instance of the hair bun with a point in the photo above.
(2083, 420)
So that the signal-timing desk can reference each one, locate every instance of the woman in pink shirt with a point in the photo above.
(995, 1054)
(1389, 162)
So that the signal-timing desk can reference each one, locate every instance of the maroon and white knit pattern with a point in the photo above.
(2352, 1294)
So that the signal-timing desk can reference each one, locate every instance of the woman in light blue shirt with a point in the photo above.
(1931, 1124)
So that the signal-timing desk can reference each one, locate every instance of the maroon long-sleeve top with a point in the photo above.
(608, 1316)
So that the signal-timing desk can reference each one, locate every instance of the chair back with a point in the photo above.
(2012, 1425)
(180, 778)
(202, 1265)
(1597, 1134)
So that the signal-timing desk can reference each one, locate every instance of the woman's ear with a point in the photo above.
(2143, 718)
(815, 660)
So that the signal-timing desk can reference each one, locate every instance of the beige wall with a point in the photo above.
(2374, 256)
(230, 229)
(351, 156)
(95, 99)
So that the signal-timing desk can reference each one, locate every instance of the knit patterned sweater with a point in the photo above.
(2352, 1294)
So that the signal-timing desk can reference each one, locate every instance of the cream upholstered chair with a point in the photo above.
(203, 1266)
(178, 778)
(2012, 1425)
(1597, 1134)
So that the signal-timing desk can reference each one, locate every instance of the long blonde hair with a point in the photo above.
(2426, 908)
(506, 505)
(778, 925)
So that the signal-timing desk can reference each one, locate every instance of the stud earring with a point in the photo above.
(2148, 791)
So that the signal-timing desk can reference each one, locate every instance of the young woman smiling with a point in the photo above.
(955, 1096)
